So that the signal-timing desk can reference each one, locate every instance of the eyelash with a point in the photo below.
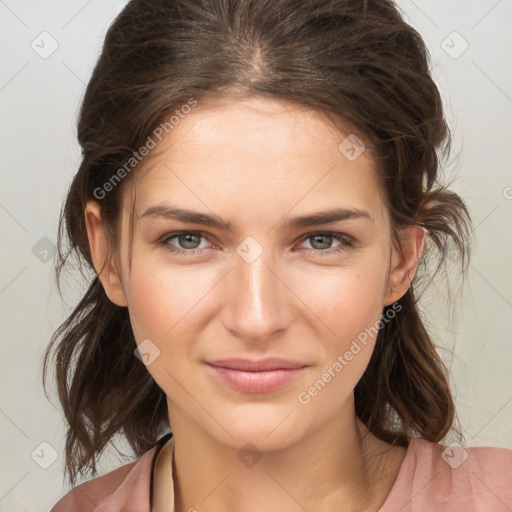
(346, 242)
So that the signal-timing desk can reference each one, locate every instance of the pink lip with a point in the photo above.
(256, 376)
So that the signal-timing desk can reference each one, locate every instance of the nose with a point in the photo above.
(258, 304)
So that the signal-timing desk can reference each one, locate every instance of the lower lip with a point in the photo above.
(256, 382)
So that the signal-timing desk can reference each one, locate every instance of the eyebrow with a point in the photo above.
(326, 217)
(187, 216)
(313, 219)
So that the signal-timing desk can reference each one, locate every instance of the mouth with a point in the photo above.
(262, 376)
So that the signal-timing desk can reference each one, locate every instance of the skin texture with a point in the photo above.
(257, 163)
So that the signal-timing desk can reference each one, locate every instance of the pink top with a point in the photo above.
(432, 478)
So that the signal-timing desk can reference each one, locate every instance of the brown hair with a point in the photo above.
(355, 59)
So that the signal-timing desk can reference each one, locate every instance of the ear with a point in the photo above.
(404, 263)
(101, 257)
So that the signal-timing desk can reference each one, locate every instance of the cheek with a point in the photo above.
(345, 298)
(162, 300)
(165, 306)
(349, 301)
(352, 312)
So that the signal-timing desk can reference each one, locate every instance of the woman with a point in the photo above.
(259, 187)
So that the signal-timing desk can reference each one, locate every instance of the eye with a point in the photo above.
(187, 242)
(322, 242)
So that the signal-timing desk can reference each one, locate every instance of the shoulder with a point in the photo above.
(453, 478)
(126, 488)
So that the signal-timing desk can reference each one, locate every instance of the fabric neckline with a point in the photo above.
(159, 445)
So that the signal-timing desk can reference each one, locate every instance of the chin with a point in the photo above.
(268, 426)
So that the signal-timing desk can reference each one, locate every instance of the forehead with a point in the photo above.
(259, 157)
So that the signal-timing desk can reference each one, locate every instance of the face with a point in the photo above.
(254, 285)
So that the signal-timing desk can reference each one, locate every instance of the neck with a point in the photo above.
(341, 467)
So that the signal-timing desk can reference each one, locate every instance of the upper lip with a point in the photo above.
(271, 363)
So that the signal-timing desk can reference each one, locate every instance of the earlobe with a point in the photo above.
(101, 256)
(404, 264)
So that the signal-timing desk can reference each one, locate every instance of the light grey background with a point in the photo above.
(39, 99)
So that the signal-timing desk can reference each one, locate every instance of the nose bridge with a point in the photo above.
(256, 304)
